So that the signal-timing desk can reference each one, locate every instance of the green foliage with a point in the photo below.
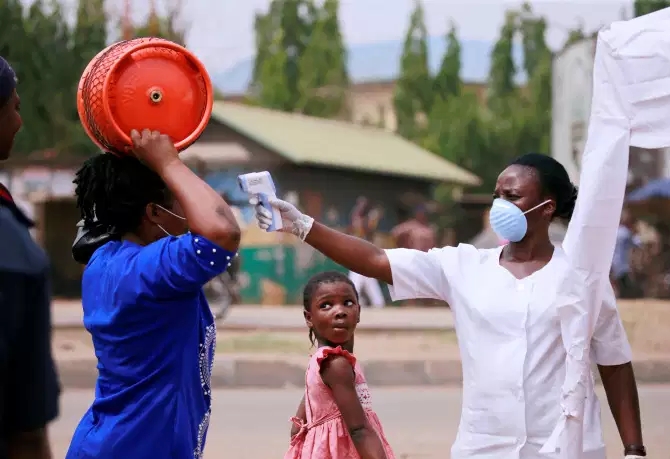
(642, 7)
(273, 89)
(308, 65)
(49, 56)
(447, 82)
(575, 36)
(459, 131)
(537, 63)
(265, 27)
(90, 32)
(167, 27)
(323, 78)
(414, 89)
(485, 138)
(502, 89)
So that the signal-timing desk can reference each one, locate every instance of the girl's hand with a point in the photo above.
(293, 221)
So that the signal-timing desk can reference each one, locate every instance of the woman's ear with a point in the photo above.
(151, 212)
(549, 208)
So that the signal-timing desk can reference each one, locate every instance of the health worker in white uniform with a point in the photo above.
(504, 302)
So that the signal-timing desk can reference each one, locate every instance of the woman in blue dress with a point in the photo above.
(152, 329)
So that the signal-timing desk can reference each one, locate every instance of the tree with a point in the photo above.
(506, 116)
(13, 34)
(41, 52)
(265, 28)
(502, 88)
(90, 31)
(414, 89)
(447, 91)
(642, 7)
(447, 82)
(166, 27)
(296, 22)
(273, 91)
(533, 30)
(89, 37)
(575, 36)
(535, 135)
(323, 80)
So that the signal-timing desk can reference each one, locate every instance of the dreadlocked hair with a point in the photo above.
(113, 191)
(326, 277)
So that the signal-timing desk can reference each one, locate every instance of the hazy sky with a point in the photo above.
(221, 31)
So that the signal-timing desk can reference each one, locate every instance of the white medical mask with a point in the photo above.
(508, 221)
(171, 213)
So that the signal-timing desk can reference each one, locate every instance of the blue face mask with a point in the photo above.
(508, 221)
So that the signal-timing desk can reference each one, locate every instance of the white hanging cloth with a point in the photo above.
(630, 107)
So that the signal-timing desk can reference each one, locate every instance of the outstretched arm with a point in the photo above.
(411, 273)
(351, 252)
(338, 374)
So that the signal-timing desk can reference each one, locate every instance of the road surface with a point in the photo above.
(419, 423)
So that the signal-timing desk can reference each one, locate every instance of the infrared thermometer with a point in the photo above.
(260, 184)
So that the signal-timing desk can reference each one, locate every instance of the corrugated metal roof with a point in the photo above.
(321, 142)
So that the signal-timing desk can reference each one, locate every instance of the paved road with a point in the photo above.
(420, 423)
(67, 314)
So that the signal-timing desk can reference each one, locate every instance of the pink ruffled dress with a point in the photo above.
(325, 435)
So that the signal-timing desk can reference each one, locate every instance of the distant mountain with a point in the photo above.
(381, 61)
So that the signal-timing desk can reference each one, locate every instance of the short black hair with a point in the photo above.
(325, 277)
(554, 181)
(115, 190)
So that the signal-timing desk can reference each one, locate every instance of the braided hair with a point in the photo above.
(326, 277)
(113, 192)
(554, 181)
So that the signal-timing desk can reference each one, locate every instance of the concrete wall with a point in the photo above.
(572, 93)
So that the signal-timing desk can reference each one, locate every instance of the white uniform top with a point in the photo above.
(511, 348)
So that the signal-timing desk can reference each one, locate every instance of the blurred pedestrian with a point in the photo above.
(364, 222)
(29, 388)
(626, 241)
(415, 233)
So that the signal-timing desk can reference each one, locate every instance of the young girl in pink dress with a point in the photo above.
(335, 418)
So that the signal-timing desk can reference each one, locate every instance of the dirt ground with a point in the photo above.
(647, 324)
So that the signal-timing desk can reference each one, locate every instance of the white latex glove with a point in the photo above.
(293, 221)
